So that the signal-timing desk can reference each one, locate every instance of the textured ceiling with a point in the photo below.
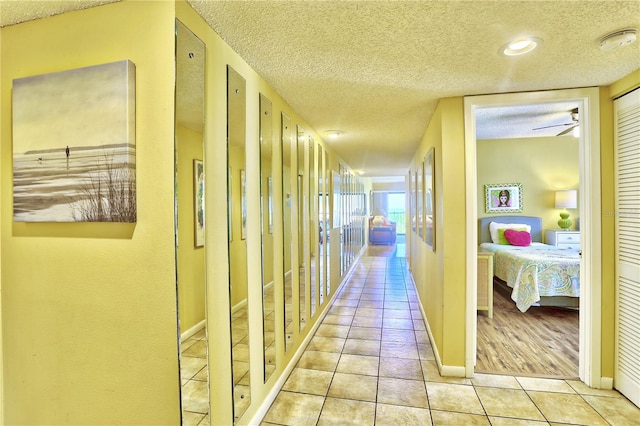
(376, 69)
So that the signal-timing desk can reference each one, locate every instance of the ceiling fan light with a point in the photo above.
(520, 46)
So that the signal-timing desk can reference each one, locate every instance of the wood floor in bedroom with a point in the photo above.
(543, 341)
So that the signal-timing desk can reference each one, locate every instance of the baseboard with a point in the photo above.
(445, 370)
(453, 371)
(257, 418)
(606, 382)
(239, 306)
(193, 330)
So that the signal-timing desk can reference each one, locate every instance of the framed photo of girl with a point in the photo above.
(503, 198)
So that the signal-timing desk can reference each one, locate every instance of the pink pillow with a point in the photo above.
(517, 238)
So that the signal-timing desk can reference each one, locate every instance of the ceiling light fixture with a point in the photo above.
(334, 134)
(520, 46)
(617, 39)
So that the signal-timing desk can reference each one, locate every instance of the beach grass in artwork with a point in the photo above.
(74, 145)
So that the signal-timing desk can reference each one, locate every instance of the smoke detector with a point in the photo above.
(617, 39)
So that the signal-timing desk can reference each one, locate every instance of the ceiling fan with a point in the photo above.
(575, 122)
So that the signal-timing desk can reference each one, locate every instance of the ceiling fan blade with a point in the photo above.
(565, 131)
(555, 125)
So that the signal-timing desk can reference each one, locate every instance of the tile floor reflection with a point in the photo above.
(371, 363)
(193, 374)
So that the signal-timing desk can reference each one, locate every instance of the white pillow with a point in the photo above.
(494, 226)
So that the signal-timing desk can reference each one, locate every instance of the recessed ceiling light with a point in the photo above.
(334, 134)
(520, 46)
(617, 39)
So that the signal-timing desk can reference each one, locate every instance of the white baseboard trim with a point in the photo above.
(445, 370)
(193, 330)
(606, 382)
(453, 371)
(277, 387)
(239, 306)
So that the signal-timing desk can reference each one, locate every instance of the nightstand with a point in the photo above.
(485, 282)
(563, 239)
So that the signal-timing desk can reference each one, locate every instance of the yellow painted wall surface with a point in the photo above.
(541, 165)
(191, 285)
(440, 275)
(89, 309)
(426, 266)
(452, 215)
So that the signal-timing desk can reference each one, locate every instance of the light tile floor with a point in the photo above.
(370, 362)
(193, 374)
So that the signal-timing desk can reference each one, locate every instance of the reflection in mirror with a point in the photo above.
(327, 224)
(343, 236)
(190, 273)
(336, 245)
(266, 221)
(322, 228)
(302, 231)
(236, 153)
(287, 227)
(313, 227)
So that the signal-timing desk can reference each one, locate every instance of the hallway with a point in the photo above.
(370, 362)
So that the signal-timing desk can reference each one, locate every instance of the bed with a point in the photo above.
(535, 274)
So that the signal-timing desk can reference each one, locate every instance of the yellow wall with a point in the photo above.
(440, 275)
(191, 294)
(89, 310)
(541, 165)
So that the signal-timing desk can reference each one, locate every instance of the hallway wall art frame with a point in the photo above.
(74, 148)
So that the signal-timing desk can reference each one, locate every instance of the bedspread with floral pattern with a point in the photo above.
(535, 271)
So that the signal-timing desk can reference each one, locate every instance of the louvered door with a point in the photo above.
(627, 214)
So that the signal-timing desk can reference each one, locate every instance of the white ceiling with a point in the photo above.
(376, 69)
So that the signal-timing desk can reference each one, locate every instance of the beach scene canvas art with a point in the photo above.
(74, 145)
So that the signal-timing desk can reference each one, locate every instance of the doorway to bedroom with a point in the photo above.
(535, 154)
(522, 337)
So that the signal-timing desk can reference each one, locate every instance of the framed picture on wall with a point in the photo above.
(270, 202)
(429, 199)
(243, 204)
(198, 202)
(419, 199)
(503, 198)
(229, 205)
(74, 148)
(412, 195)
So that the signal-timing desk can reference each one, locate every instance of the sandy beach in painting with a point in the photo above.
(49, 187)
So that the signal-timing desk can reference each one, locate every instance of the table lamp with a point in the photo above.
(566, 199)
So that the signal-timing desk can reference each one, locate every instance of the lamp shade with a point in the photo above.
(567, 199)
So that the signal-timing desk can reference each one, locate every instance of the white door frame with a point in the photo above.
(590, 220)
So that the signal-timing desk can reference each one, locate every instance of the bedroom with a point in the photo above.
(542, 341)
